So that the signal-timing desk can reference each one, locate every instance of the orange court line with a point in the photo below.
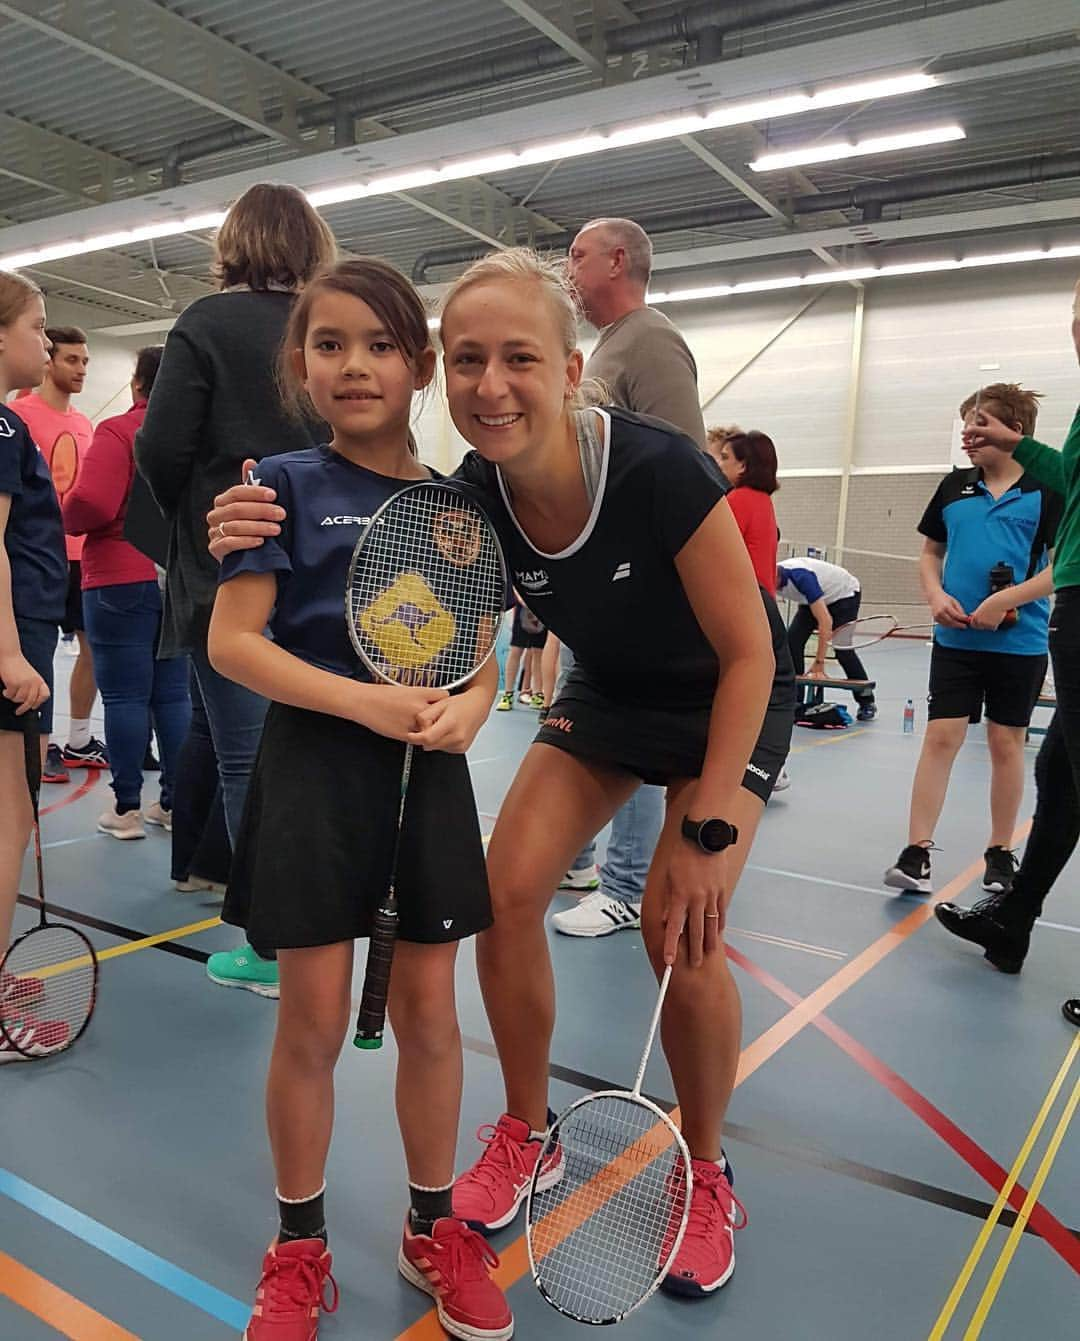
(514, 1260)
(61, 1311)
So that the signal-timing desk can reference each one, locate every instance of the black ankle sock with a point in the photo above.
(302, 1219)
(426, 1205)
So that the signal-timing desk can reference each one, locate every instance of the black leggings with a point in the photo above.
(803, 624)
(1056, 826)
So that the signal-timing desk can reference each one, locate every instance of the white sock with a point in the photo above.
(79, 735)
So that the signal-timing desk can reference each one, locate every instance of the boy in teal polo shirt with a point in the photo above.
(985, 527)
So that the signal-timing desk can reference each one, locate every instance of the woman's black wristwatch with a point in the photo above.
(711, 835)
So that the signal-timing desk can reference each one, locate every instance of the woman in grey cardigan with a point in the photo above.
(215, 402)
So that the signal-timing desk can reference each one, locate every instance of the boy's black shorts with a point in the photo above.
(962, 681)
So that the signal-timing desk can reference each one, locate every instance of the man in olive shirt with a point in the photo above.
(646, 366)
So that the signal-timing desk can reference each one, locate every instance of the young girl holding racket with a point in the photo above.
(608, 519)
(33, 583)
(316, 850)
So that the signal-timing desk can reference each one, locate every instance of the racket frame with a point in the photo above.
(371, 1017)
(633, 1096)
(636, 1097)
(843, 646)
(31, 748)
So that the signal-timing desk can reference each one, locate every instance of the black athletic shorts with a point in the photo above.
(316, 843)
(73, 615)
(661, 745)
(37, 642)
(523, 636)
(961, 681)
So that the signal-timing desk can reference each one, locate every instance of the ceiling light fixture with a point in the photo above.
(877, 144)
(712, 291)
(504, 159)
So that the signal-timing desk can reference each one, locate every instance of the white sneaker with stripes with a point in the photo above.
(598, 915)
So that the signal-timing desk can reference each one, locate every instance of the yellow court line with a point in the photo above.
(836, 739)
(979, 1246)
(192, 929)
(993, 1285)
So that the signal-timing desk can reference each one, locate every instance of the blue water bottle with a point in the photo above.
(909, 717)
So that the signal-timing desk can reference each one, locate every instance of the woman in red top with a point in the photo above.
(748, 461)
(122, 609)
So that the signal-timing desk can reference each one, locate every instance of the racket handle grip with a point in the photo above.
(371, 1020)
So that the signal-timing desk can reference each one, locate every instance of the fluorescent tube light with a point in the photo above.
(503, 159)
(712, 291)
(877, 144)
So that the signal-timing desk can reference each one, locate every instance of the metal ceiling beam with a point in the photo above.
(159, 46)
(126, 280)
(1028, 216)
(475, 207)
(65, 166)
(562, 31)
(744, 188)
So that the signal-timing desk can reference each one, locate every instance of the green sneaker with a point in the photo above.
(242, 967)
(506, 702)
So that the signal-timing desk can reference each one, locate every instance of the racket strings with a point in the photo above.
(601, 1237)
(426, 588)
(48, 980)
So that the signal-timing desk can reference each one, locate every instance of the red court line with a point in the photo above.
(61, 1311)
(79, 792)
(1060, 1238)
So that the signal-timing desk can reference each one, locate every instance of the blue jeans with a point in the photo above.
(635, 831)
(122, 624)
(236, 717)
(200, 841)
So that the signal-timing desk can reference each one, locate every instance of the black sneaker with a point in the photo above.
(54, 770)
(912, 870)
(1071, 1011)
(867, 712)
(1000, 870)
(91, 755)
(995, 923)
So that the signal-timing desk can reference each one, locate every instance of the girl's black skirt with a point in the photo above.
(315, 850)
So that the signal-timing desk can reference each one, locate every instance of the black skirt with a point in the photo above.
(313, 858)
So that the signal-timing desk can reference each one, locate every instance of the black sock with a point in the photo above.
(428, 1204)
(302, 1219)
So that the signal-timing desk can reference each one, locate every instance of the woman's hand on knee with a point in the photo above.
(695, 884)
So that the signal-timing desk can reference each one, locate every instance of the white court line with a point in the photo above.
(786, 944)
(881, 893)
(67, 842)
(819, 880)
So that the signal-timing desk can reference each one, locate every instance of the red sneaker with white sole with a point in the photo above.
(706, 1256)
(453, 1265)
(291, 1296)
(17, 991)
(28, 1036)
(490, 1194)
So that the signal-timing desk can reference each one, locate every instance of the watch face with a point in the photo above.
(715, 835)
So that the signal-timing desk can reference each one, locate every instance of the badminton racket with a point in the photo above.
(424, 601)
(875, 629)
(49, 975)
(602, 1237)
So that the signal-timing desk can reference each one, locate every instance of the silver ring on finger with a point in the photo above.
(712, 915)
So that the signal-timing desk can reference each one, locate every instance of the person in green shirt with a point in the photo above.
(1002, 923)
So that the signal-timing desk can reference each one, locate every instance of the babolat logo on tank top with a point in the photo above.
(344, 521)
(534, 581)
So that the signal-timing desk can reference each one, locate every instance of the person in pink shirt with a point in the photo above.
(63, 437)
(122, 605)
(748, 463)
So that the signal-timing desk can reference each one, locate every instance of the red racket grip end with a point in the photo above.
(371, 1021)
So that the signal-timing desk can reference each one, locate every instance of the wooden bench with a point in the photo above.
(818, 687)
